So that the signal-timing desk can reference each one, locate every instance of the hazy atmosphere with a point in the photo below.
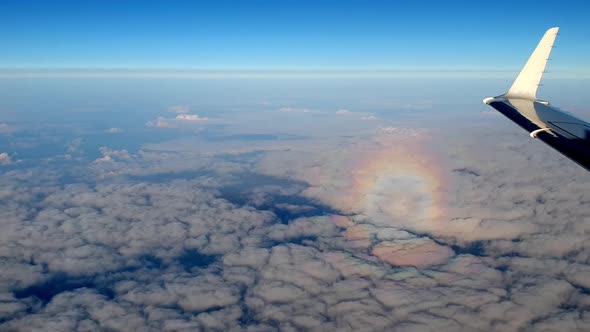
(196, 189)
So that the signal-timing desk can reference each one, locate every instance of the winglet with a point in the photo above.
(526, 83)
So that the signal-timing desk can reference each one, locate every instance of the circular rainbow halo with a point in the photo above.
(399, 183)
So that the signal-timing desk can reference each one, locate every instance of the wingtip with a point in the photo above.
(528, 80)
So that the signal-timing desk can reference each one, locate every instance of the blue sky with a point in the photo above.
(256, 34)
(132, 199)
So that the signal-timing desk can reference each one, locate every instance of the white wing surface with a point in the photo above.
(562, 131)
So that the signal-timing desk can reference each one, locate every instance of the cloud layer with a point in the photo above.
(409, 229)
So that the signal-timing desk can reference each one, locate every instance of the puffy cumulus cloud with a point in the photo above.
(114, 130)
(191, 293)
(410, 179)
(523, 201)
(171, 165)
(180, 121)
(179, 109)
(160, 122)
(362, 115)
(109, 155)
(97, 237)
(352, 178)
(5, 159)
(403, 134)
(421, 252)
(343, 112)
(369, 117)
(407, 231)
(485, 203)
(190, 117)
(294, 110)
(75, 146)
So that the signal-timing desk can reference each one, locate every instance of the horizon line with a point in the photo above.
(192, 73)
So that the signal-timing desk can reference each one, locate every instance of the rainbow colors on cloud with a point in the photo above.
(400, 179)
(395, 180)
(389, 185)
(396, 192)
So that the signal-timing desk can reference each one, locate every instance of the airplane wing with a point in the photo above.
(560, 130)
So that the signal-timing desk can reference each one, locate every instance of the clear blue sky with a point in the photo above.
(281, 34)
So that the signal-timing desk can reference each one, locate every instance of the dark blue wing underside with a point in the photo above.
(576, 148)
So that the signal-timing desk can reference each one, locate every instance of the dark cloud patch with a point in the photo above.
(288, 208)
(476, 248)
(285, 215)
(248, 183)
(300, 240)
(583, 290)
(194, 259)
(280, 196)
(171, 176)
(150, 262)
(466, 171)
(59, 283)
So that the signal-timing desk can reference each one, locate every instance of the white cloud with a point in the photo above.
(114, 130)
(105, 158)
(75, 146)
(190, 117)
(198, 249)
(421, 253)
(369, 117)
(160, 122)
(178, 109)
(5, 159)
(344, 112)
(176, 122)
(294, 110)
(402, 132)
(109, 155)
(362, 115)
